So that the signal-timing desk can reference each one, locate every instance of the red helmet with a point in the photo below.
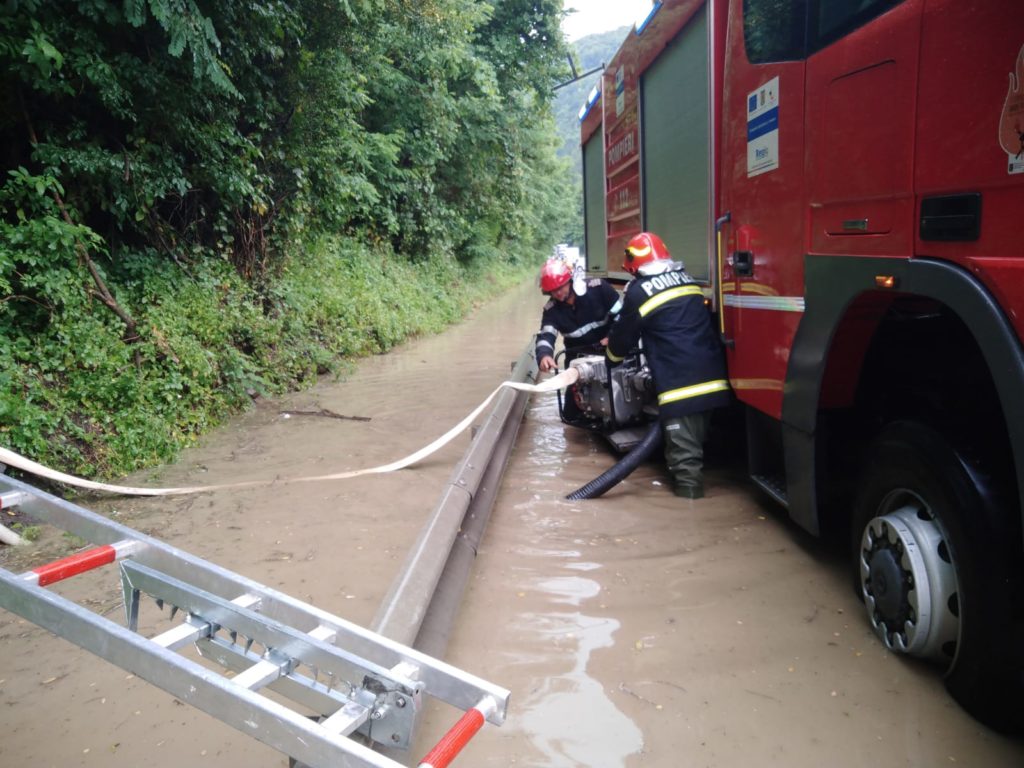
(554, 274)
(643, 249)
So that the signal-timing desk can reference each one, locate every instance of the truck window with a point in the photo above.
(788, 30)
(831, 19)
(774, 30)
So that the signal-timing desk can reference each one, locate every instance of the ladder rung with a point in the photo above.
(324, 634)
(12, 499)
(79, 563)
(267, 671)
(407, 670)
(182, 635)
(186, 633)
(260, 674)
(346, 719)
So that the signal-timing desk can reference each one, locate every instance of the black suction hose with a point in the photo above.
(620, 471)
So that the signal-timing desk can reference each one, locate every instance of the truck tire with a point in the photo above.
(938, 569)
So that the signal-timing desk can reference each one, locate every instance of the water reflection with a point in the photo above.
(531, 551)
(565, 713)
(569, 589)
(547, 446)
(568, 717)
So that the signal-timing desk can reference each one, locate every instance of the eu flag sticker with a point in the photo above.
(763, 128)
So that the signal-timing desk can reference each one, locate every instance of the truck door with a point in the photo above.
(861, 109)
(763, 190)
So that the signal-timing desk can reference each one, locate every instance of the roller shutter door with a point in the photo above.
(593, 201)
(675, 149)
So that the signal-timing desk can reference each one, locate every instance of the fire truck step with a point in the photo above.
(774, 486)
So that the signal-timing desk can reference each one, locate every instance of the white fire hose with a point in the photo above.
(12, 459)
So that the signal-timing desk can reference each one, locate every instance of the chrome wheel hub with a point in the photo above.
(908, 580)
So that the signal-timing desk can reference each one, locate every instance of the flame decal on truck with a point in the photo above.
(1011, 124)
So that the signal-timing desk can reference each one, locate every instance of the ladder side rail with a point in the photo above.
(247, 711)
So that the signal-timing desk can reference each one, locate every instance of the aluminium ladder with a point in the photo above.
(356, 680)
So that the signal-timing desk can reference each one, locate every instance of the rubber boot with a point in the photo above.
(684, 453)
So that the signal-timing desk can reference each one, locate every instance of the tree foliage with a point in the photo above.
(590, 52)
(197, 153)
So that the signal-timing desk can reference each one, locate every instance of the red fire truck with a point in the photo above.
(846, 178)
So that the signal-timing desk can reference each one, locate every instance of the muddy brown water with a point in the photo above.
(633, 630)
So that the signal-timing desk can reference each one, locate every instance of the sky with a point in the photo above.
(594, 16)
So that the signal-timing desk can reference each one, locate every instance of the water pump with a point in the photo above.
(615, 401)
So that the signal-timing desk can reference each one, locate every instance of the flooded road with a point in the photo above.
(644, 630)
(633, 630)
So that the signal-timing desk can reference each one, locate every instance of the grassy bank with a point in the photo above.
(80, 399)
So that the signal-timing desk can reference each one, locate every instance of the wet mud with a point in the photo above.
(633, 630)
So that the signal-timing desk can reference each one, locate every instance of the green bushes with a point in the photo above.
(77, 398)
(203, 201)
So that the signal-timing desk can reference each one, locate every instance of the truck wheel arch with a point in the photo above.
(838, 287)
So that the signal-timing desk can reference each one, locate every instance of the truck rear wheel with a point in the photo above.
(933, 566)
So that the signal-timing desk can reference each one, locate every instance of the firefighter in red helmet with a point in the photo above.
(663, 308)
(582, 311)
(553, 275)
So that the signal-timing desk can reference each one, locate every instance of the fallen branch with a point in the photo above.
(326, 413)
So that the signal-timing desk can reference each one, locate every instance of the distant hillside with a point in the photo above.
(591, 51)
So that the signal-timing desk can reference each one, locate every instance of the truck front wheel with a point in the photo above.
(933, 566)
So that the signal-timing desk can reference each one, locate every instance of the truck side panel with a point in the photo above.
(971, 129)
(763, 187)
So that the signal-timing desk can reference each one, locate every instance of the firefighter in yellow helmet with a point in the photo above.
(664, 308)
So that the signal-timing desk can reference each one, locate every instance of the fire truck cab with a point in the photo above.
(846, 178)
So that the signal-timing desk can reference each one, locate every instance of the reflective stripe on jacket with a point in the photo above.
(666, 310)
(582, 325)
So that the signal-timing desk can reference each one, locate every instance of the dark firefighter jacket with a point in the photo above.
(665, 308)
(582, 325)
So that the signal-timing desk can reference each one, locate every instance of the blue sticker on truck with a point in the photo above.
(763, 128)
